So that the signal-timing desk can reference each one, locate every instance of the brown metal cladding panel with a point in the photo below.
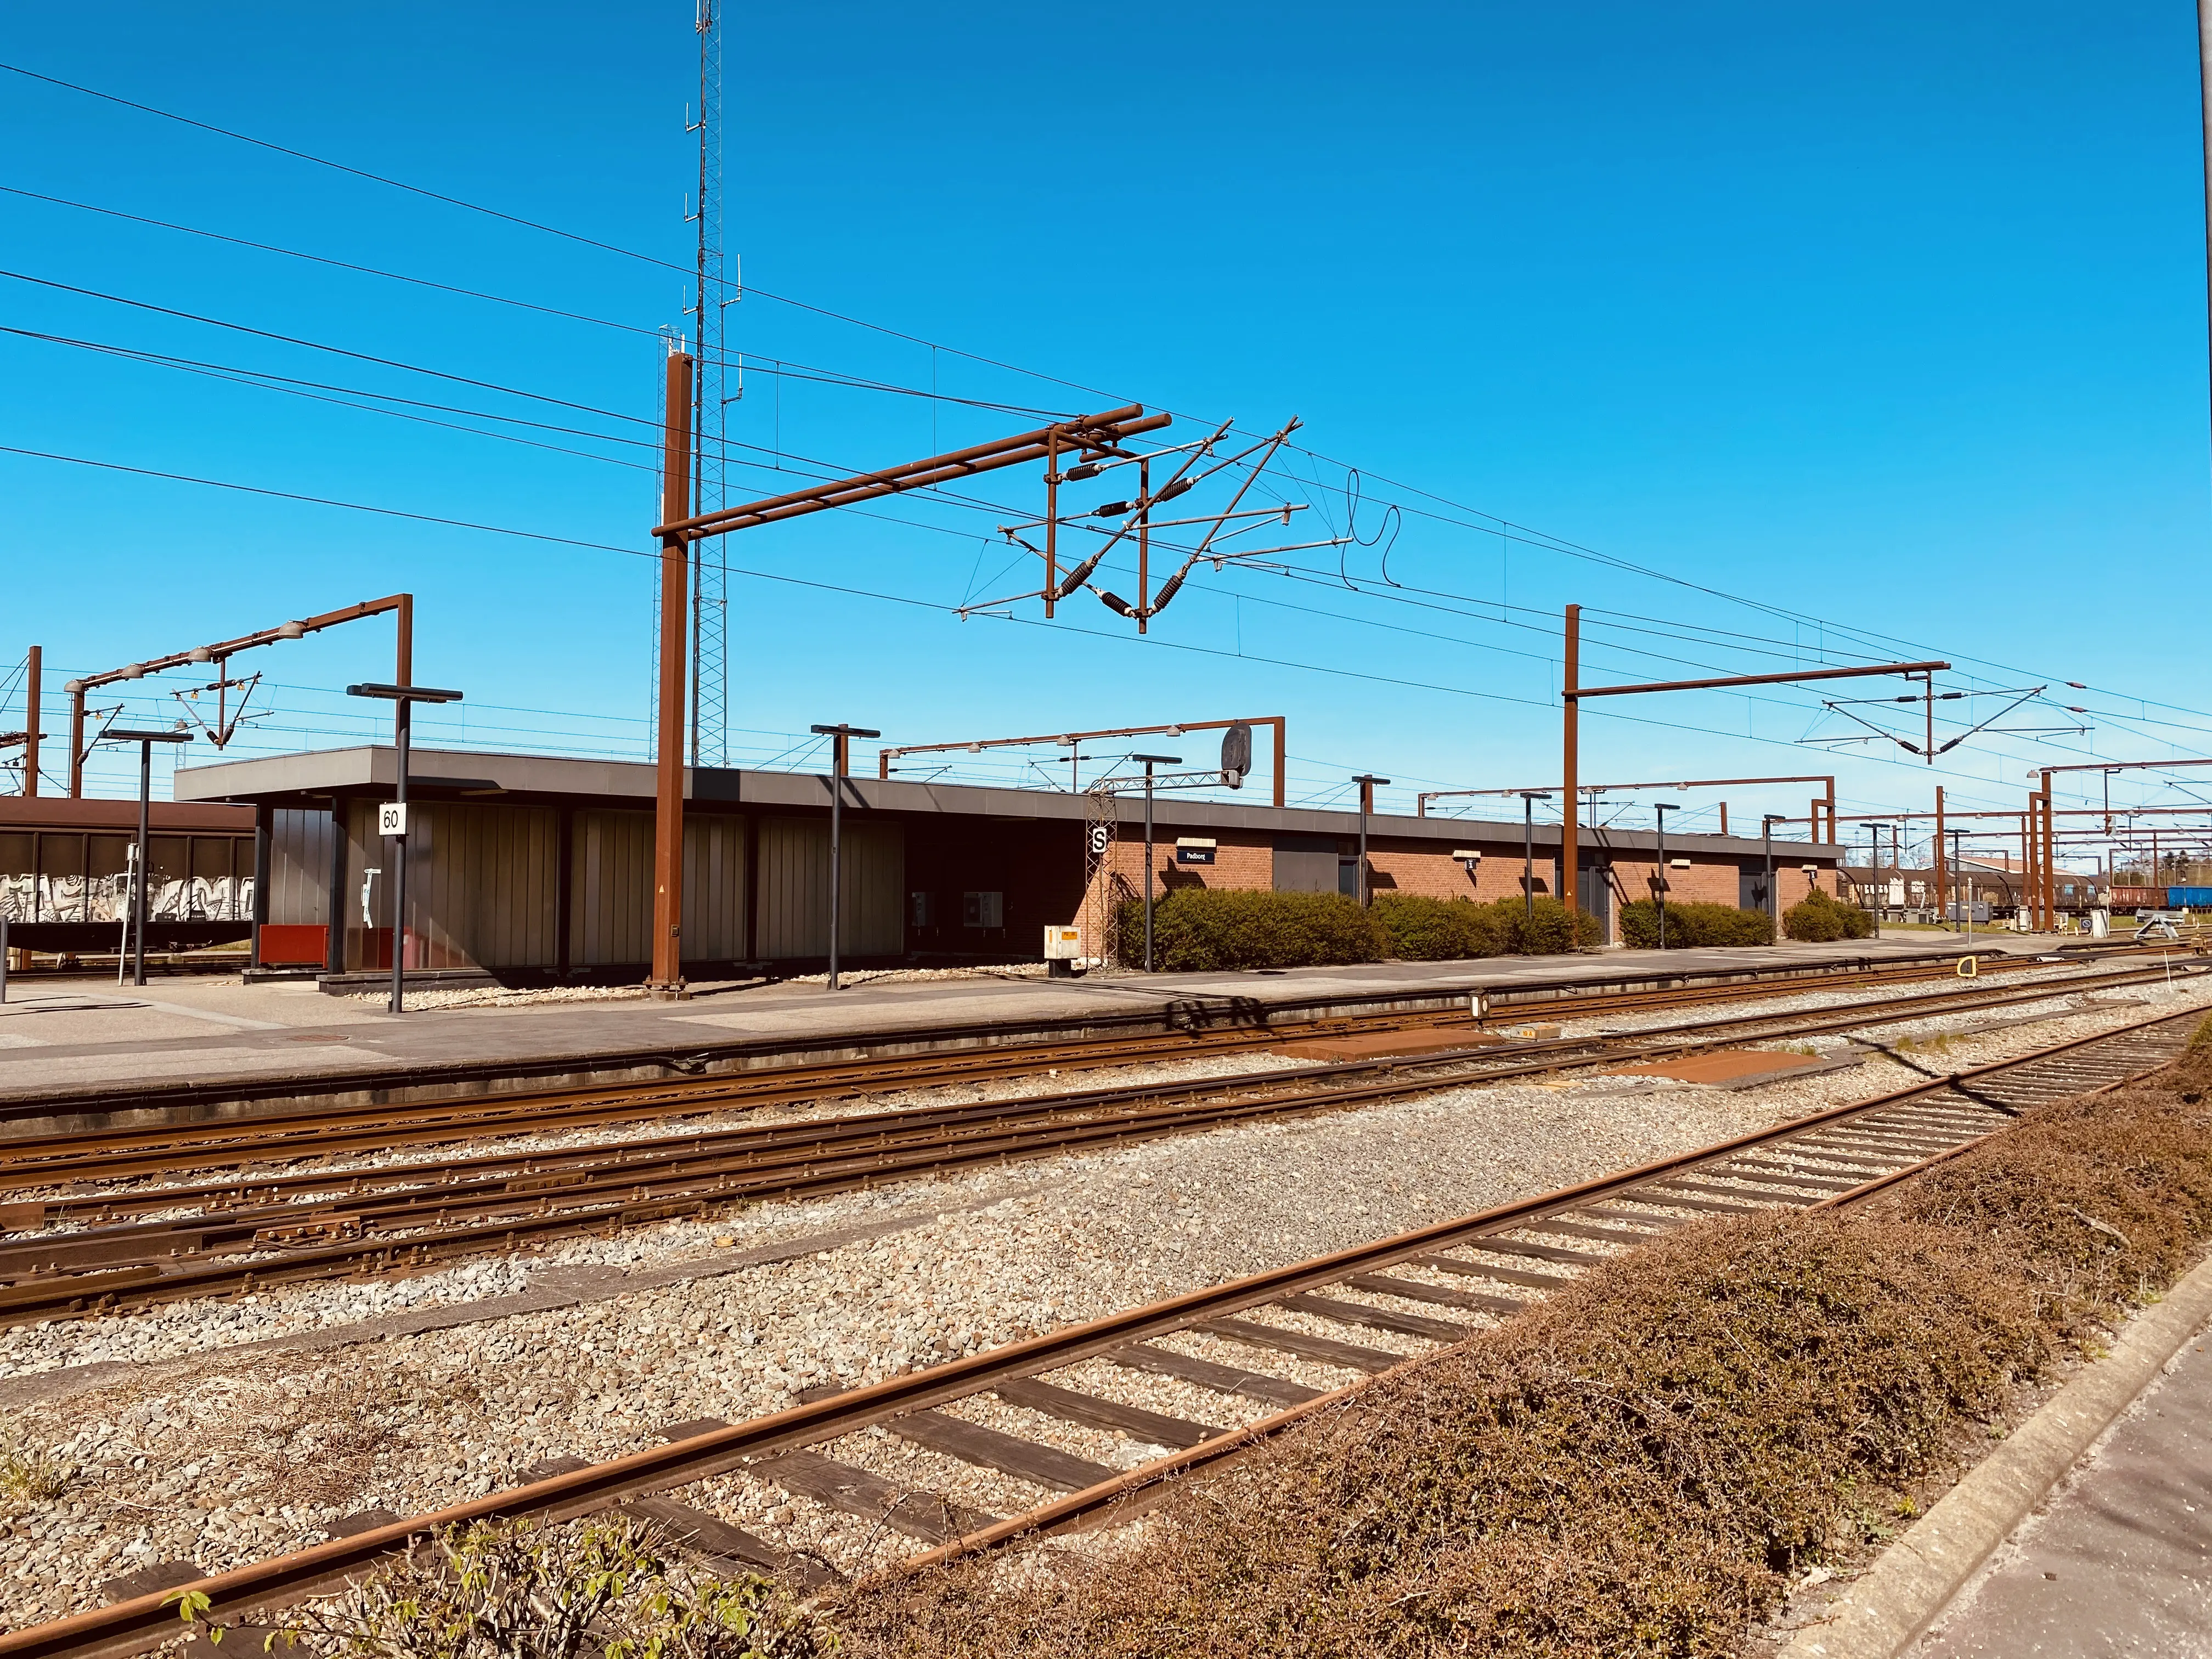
(794, 878)
(795, 874)
(299, 867)
(479, 883)
(361, 851)
(714, 887)
(872, 918)
(612, 873)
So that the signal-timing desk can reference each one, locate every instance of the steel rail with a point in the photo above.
(132, 1625)
(81, 1159)
(200, 1113)
(629, 1166)
(460, 1177)
(158, 1149)
(1082, 1511)
(173, 1260)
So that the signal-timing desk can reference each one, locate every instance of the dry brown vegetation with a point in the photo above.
(1641, 1465)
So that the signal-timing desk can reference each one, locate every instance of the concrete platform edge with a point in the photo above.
(1911, 1583)
(49, 1109)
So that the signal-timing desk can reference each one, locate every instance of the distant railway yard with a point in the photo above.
(821, 1319)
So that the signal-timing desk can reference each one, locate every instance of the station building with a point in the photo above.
(535, 869)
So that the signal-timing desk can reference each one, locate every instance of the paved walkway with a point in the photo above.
(2119, 1562)
(86, 1033)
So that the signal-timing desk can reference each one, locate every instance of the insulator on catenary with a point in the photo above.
(1111, 510)
(1167, 591)
(1115, 603)
(1078, 576)
(1172, 490)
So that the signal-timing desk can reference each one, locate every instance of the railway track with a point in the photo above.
(163, 1149)
(1425, 1289)
(237, 1236)
(180, 1137)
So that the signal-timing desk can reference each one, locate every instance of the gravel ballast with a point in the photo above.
(233, 1458)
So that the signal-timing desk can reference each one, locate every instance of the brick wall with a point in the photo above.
(1245, 859)
(1425, 869)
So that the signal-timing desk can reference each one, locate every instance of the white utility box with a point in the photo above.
(1063, 945)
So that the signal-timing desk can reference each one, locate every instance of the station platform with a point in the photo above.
(63, 1042)
(2120, 1558)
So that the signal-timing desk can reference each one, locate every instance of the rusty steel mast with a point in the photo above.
(710, 696)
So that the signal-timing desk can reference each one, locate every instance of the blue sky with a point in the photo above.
(1890, 319)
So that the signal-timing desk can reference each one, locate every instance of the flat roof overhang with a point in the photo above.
(313, 777)
(165, 818)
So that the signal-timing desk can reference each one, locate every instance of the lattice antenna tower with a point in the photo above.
(710, 615)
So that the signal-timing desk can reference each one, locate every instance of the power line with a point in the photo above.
(1504, 528)
(1555, 544)
(903, 600)
(780, 368)
(317, 345)
(942, 608)
(527, 224)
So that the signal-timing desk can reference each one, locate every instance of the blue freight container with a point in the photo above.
(2188, 898)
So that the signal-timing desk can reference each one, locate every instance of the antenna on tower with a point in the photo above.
(710, 573)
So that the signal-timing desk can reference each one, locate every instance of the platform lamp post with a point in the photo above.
(1773, 899)
(1965, 887)
(839, 764)
(1151, 761)
(1874, 871)
(145, 740)
(392, 817)
(1367, 782)
(1529, 800)
(1660, 809)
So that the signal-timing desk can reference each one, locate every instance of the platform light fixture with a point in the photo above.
(1368, 783)
(1873, 870)
(1529, 800)
(1773, 900)
(1659, 811)
(393, 823)
(136, 921)
(841, 737)
(1151, 761)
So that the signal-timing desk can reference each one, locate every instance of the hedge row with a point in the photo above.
(1206, 930)
(1692, 924)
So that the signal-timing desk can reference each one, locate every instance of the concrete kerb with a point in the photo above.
(1911, 1583)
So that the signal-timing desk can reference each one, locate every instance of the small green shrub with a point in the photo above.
(1439, 930)
(1820, 919)
(1549, 931)
(1692, 924)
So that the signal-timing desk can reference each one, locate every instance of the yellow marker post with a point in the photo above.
(1970, 966)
